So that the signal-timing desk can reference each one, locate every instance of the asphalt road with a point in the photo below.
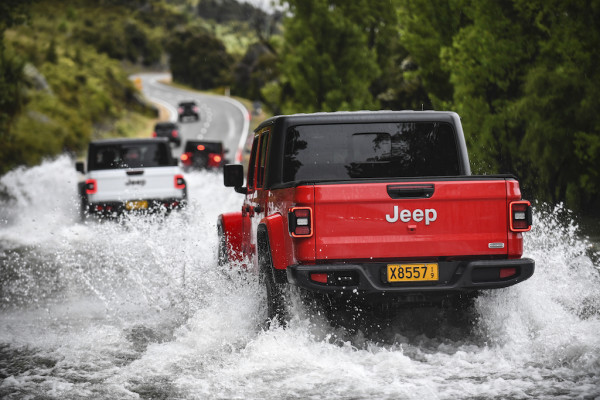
(221, 118)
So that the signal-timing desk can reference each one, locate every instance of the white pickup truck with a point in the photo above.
(124, 175)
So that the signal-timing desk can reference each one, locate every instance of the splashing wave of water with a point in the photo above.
(140, 309)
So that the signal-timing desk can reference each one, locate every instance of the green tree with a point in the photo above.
(523, 76)
(486, 63)
(199, 59)
(561, 100)
(326, 63)
(12, 12)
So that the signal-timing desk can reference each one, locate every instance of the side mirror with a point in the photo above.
(233, 176)
(79, 167)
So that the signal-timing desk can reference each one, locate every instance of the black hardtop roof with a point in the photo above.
(356, 117)
(128, 141)
(204, 141)
(165, 123)
(187, 102)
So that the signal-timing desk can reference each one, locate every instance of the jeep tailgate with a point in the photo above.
(411, 220)
(135, 184)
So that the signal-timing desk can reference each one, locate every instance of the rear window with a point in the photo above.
(358, 151)
(128, 155)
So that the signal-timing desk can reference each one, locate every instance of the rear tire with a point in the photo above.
(83, 202)
(222, 256)
(276, 309)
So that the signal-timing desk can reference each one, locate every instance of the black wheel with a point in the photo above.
(83, 209)
(222, 256)
(83, 203)
(276, 309)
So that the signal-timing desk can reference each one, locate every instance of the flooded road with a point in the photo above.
(139, 309)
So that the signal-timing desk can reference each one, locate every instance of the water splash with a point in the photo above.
(140, 309)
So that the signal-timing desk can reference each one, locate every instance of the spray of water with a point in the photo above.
(140, 309)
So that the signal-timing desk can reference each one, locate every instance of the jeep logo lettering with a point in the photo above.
(418, 215)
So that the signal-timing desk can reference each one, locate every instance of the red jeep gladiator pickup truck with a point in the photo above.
(379, 205)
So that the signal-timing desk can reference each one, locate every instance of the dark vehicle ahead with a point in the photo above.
(201, 154)
(169, 130)
(188, 110)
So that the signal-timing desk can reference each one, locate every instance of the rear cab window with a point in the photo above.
(128, 155)
(374, 150)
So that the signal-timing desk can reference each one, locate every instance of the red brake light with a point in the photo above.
(175, 133)
(153, 134)
(180, 110)
(179, 182)
(91, 186)
(196, 109)
(186, 158)
(214, 160)
(321, 278)
(520, 216)
(201, 147)
(507, 272)
(300, 221)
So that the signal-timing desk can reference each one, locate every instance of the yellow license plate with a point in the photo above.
(412, 272)
(136, 205)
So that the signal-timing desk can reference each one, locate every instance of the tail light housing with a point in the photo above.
(507, 272)
(179, 182)
(186, 158)
(174, 133)
(521, 216)
(196, 109)
(300, 222)
(91, 186)
(180, 110)
(154, 134)
(214, 160)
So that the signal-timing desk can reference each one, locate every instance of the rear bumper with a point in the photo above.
(371, 278)
(112, 208)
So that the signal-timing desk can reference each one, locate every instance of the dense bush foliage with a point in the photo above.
(199, 59)
(521, 73)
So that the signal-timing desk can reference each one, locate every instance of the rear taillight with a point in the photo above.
(154, 134)
(214, 160)
(179, 182)
(91, 186)
(507, 272)
(196, 109)
(300, 222)
(521, 216)
(201, 147)
(321, 278)
(186, 158)
(180, 110)
(174, 133)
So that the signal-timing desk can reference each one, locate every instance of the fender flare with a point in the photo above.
(276, 233)
(231, 223)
